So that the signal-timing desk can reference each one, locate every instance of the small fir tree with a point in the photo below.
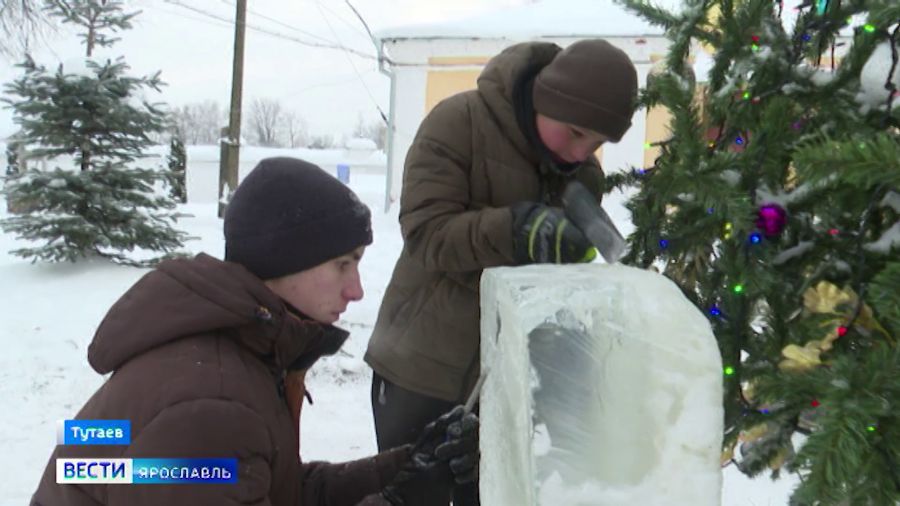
(12, 159)
(106, 202)
(177, 161)
(775, 206)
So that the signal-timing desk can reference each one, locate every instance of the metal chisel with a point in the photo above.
(583, 210)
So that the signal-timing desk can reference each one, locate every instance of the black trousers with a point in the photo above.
(400, 416)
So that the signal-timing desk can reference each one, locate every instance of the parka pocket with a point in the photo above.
(447, 326)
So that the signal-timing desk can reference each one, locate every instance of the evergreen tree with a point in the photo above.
(105, 203)
(12, 159)
(177, 161)
(775, 206)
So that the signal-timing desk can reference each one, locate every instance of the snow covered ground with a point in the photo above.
(50, 312)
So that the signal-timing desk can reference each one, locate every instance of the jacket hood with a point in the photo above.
(185, 297)
(501, 78)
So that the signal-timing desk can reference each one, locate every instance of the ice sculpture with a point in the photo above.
(604, 387)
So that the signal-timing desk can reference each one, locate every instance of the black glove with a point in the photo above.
(393, 492)
(543, 234)
(460, 449)
(452, 439)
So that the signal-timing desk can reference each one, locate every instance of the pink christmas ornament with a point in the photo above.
(771, 220)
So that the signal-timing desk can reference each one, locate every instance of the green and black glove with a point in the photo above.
(543, 234)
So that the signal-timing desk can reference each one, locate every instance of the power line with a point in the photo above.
(355, 70)
(212, 22)
(365, 25)
(330, 45)
(275, 34)
(344, 79)
(349, 24)
(277, 22)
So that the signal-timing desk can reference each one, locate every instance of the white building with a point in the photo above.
(429, 62)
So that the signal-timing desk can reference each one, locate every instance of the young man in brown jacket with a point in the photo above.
(482, 186)
(208, 360)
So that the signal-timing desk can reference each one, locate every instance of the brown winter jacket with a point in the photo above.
(468, 163)
(198, 349)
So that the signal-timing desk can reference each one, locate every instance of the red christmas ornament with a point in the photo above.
(815, 403)
(842, 331)
(771, 219)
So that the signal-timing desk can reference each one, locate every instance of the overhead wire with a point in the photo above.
(199, 19)
(281, 23)
(347, 22)
(341, 80)
(365, 25)
(328, 45)
(353, 65)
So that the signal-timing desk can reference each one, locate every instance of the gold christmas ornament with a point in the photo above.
(792, 179)
(749, 391)
(826, 297)
(799, 359)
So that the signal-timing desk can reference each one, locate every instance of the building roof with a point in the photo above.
(541, 18)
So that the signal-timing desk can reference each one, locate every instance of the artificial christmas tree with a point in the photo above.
(90, 113)
(791, 243)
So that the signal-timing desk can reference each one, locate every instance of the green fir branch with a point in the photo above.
(652, 13)
(884, 298)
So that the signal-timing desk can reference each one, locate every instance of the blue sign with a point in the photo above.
(94, 432)
(146, 471)
(175, 471)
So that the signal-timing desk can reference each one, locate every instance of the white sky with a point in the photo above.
(329, 88)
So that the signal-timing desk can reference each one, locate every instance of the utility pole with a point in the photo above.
(228, 163)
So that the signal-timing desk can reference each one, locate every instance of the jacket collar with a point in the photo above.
(288, 339)
(186, 297)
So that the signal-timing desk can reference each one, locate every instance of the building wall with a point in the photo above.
(449, 75)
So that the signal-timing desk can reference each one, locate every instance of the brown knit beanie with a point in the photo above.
(591, 84)
(289, 215)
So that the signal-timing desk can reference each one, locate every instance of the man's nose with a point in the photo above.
(354, 290)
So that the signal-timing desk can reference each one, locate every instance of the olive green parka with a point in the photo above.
(470, 161)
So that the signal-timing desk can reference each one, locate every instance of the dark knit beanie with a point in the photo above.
(591, 84)
(288, 215)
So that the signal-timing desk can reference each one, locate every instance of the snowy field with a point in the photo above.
(50, 313)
